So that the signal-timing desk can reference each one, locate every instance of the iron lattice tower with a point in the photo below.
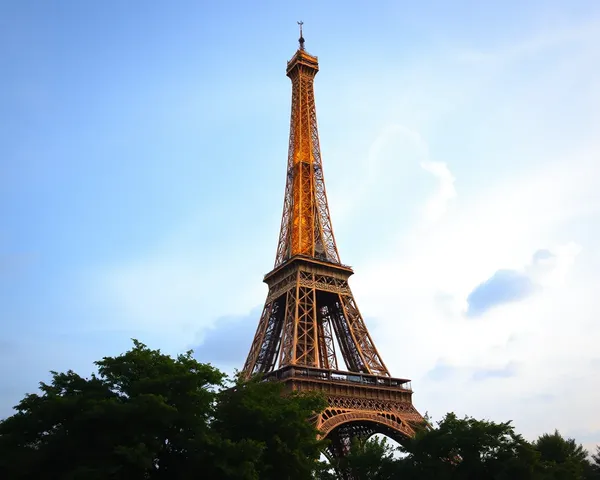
(310, 307)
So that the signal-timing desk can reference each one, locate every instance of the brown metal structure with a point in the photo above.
(310, 308)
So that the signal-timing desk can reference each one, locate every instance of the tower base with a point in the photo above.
(358, 405)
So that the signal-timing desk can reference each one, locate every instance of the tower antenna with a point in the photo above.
(301, 39)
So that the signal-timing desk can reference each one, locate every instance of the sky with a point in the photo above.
(142, 166)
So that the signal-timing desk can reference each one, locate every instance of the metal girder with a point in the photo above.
(305, 315)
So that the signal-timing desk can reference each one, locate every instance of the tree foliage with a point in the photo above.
(595, 464)
(371, 459)
(261, 411)
(145, 415)
(467, 449)
(562, 458)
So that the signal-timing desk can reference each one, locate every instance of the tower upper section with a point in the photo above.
(306, 224)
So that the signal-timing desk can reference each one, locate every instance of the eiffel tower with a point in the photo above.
(310, 308)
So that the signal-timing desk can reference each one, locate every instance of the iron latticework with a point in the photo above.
(310, 322)
(305, 225)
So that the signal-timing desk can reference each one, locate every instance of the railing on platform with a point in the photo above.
(338, 376)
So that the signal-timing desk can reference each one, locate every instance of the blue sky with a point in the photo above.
(142, 157)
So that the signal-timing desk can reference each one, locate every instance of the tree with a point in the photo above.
(145, 415)
(455, 449)
(278, 421)
(368, 459)
(595, 464)
(562, 458)
(469, 449)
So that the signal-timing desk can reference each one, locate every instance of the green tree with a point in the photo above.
(469, 449)
(595, 464)
(145, 415)
(116, 424)
(278, 421)
(455, 449)
(562, 458)
(368, 459)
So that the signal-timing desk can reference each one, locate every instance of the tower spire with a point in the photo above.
(306, 224)
(301, 39)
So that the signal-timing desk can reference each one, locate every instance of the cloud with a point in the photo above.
(395, 164)
(425, 281)
(227, 343)
(439, 202)
(551, 267)
(444, 371)
(441, 371)
(504, 286)
(509, 370)
(542, 397)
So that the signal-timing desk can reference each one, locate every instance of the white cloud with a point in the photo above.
(392, 153)
(417, 293)
(541, 191)
(438, 204)
(551, 271)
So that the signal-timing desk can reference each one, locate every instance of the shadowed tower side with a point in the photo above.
(310, 323)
